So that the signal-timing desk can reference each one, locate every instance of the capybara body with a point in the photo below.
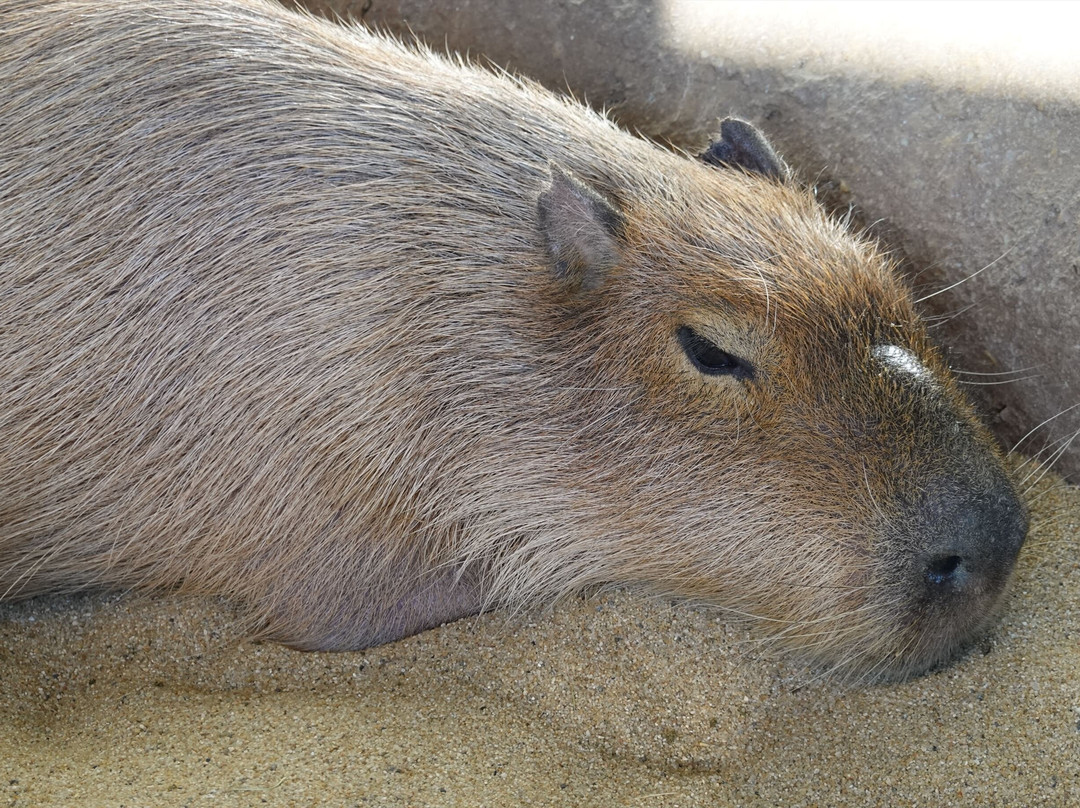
(370, 340)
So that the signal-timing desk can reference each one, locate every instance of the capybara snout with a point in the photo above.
(369, 341)
(972, 537)
(964, 540)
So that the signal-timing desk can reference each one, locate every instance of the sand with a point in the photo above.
(611, 700)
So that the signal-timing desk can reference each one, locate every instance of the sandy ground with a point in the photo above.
(609, 701)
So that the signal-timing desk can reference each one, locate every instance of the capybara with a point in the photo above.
(369, 340)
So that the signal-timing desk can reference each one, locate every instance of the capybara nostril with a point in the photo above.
(945, 570)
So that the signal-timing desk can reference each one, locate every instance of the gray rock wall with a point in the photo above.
(960, 150)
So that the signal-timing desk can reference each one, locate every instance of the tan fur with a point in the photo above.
(277, 321)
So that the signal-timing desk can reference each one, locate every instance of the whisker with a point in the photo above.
(1049, 463)
(965, 279)
(1000, 381)
(995, 372)
(916, 276)
(938, 322)
(1037, 427)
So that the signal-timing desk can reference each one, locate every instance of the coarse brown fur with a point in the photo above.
(279, 319)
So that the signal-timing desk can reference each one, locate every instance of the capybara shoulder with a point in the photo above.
(370, 340)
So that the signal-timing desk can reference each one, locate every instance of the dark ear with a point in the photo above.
(581, 230)
(740, 144)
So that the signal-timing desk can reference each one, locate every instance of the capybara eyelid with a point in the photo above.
(709, 358)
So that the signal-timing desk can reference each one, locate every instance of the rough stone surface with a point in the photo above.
(958, 144)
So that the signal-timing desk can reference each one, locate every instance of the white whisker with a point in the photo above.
(965, 279)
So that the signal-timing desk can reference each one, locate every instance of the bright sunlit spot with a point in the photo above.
(976, 45)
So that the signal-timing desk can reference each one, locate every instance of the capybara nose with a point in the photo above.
(973, 537)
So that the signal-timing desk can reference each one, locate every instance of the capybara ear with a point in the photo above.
(740, 144)
(581, 230)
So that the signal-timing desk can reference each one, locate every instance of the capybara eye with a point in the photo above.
(710, 359)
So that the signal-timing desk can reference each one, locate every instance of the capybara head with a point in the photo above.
(772, 407)
(370, 341)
